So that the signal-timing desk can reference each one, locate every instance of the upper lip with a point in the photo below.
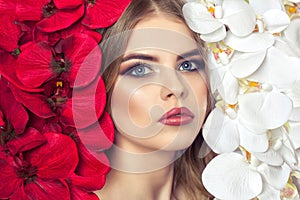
(177, 112)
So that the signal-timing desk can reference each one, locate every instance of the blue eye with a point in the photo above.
(191, 66)
(187, 66)
(139, 70)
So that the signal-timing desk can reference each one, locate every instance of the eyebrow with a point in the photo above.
(194, 52)
(141, 56)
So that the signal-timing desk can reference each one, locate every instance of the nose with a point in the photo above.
(174, 85)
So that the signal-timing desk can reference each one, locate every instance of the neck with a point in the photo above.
(139, 176)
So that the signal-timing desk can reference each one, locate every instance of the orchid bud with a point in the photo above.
(267, 87)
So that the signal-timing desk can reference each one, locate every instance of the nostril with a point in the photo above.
(169, 95)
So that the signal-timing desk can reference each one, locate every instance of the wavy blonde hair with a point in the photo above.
(188, 168)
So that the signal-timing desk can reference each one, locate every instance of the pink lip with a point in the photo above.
(177, 117)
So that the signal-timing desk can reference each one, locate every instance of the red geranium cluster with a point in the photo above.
(53, 127)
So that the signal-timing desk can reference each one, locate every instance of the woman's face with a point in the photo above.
(160, 97)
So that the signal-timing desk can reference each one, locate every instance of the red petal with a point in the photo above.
(30, 139)
(55, 159)
(35, 102)
(53, 38)
(104, 13)
(9, 180)
(44, 125)
(66, 117)
(8, 7)
(20, 194)
(61, 19)
(78, 194)
(14, 112)
(10, 33)
(86, 183)
(7, 70)
(94, 34)
(33, 67)
(96, 164)
(30, 9)
(47, 189)
(85, 56)
(100, 135)
(87, 104)
(67, 4)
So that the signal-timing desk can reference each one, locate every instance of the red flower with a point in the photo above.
(83, 109)
(39, 63)
(51, 15)
(103, 13)
(41, 172)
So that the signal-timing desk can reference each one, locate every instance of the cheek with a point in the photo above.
(140, 104)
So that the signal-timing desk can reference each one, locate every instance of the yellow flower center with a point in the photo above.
(59, 84)
(211, 10)
(292, 9)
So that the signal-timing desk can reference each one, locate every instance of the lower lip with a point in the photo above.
(177, 120)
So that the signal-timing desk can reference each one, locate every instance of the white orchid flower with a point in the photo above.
(247, 124)
(271, 15)
(249, 53)
(229, 177)
(281, 149)
(278, 69)
(210, 20)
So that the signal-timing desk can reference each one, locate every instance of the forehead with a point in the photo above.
(163, 33)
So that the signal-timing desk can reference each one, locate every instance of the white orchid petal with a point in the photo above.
(270, 157)
(276, 20)
(267, 110)
(252, 141)
(239, 17)
(278, 69)
(229, 88)
(295, 115)
(252, 43)
(275, 176)
(282, 45)
(215, 36)
(269, 193)
(292, 34)
(220, 132)
(199, 19)
(228, 176)
(244, 64)
(294, 134)
(260, 7)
